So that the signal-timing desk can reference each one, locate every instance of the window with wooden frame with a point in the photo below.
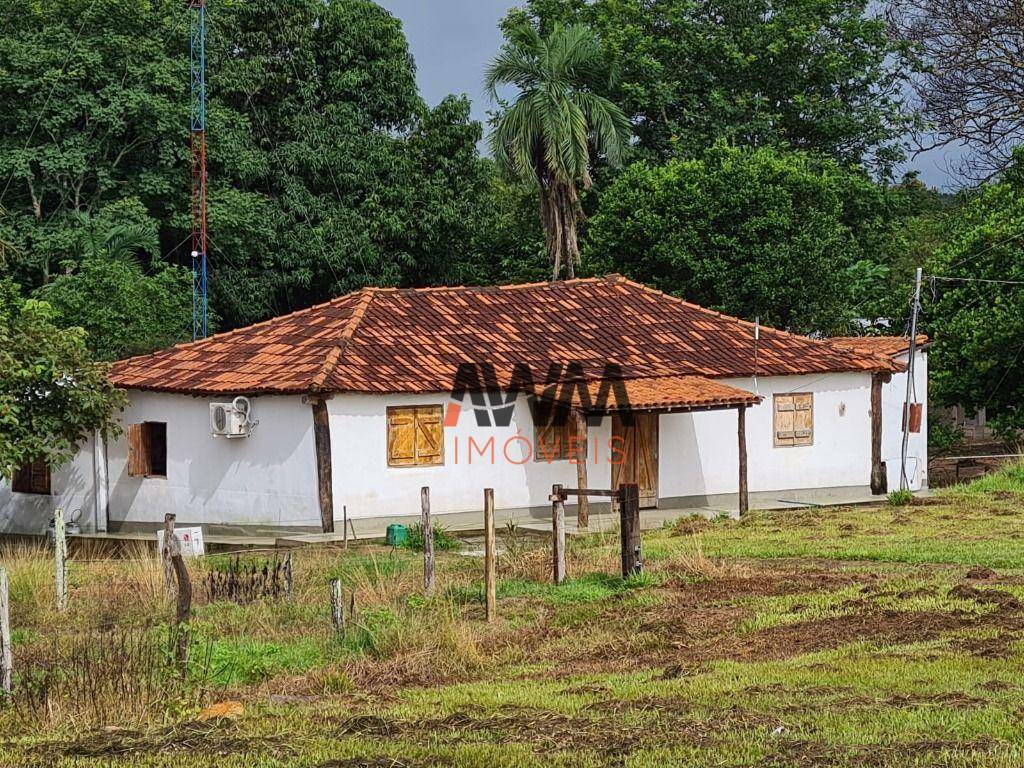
(415, 436)
(32, 478)
(794, 419)
(147, 449)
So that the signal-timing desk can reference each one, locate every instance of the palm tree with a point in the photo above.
(559, 115)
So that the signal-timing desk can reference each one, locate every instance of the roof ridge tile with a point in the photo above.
(335, 355)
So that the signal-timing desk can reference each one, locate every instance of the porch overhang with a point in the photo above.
(661, 394)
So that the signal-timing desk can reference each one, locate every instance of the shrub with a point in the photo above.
(442, 539)
(900, 498)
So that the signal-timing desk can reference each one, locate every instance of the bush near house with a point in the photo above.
(857, 636)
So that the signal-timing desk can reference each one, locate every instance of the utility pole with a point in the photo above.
(904, 480)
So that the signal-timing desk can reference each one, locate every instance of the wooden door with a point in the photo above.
(638, 461)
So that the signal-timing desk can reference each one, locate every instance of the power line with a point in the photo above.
(973, 280)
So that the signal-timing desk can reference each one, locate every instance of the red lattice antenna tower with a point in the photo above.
(197, 135)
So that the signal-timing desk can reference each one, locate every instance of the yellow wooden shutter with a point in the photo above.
(429, 436)
(401, 437)
(785, 419)
(803, 422)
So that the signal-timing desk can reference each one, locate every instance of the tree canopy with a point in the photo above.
(816, 75)
(976, 315)
(754, 233)
(327, 170)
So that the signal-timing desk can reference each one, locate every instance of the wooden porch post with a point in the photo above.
(324, 471)
(582, 439)
(879, 479)
(744, 496)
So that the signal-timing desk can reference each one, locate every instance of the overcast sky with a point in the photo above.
(452, 41)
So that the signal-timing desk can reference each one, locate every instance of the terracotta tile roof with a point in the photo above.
(890, 346)
(661, 392)
(406, 340)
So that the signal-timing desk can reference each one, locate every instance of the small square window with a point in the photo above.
(794, 419)
(415, 436)
(32, 478)
(147, 449)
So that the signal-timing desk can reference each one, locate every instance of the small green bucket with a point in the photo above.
(397, 535)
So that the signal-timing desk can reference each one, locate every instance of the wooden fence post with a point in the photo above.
(6, 658)
(337, 607)
(629, 520)
(558, 532)
(60, 556)
(489, 565)
(428, 542)
(175, 564)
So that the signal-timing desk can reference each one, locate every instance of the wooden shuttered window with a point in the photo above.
(794, 419)
(32, 478)
(415, 436)
(147, 449)
(553, 429)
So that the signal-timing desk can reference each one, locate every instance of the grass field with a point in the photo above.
(885, 636)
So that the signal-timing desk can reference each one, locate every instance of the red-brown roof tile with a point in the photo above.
(406, 340)
(890, 346)
(656, 393)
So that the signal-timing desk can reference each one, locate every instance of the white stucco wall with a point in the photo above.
(367, 486)
(270, 478)
(699, 451)
(71, 490)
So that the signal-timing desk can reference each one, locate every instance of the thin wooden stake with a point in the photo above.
(60, 544)
(489, 564)
(337, 607)
(428, 542)
(6, 658)
(344, 523)
(558, 533)
(288, 577)
(165, 556)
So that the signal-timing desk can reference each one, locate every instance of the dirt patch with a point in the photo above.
(549, 732)
(981, 573)
(1004, 601)
(812, 754)
(687, 526)
(204, 738)
(998, 647)
(373, 762)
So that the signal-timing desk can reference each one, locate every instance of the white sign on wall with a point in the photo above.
(190, 539)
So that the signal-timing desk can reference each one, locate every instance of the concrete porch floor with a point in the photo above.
(532, 520)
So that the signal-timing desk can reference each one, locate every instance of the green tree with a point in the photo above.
(52, 393)
(755, 233)
(815, 75)
(545, 137)
(978, 326)
(327, 170)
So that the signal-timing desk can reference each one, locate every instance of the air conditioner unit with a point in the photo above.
(232, 420)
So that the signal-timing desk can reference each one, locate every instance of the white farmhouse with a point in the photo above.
(359, 402)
